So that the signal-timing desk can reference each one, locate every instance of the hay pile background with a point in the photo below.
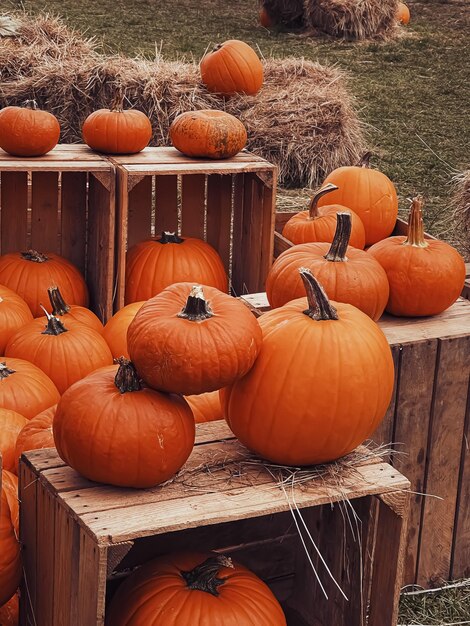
(303, 119)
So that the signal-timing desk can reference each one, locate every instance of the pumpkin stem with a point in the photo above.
(340, 243)
(126, 378)
(54, 326)
(313, 206)
(35, 256)
(5, 371)
(31, 104)
(59, 307)
(319, 307)
(169, 237)
(204, 576)
(365, 160)
(415, 224)
(197, 308)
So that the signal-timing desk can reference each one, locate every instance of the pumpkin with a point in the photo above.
(24, 388)
(14, 313)
(11, 424)
(115, 330)
(37, 433)
(264, 18)
(426, 276)
(209, 134)
(369, 193)
(140, 437)
(116, 131)
(320, 386)
(192, 339)
(153, 265)
(206, 407)
(347, 274)
(9, 612)
(27, 131)
(65, 354)
(31, 273)
(71, 314)
(194, 588)
(10, 557)
(403, 13)
(232, 67)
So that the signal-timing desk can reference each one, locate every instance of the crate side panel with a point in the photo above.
(28, 536)
(73, 231)
(219, 216)
(166, 204)
(139, 215)
(193, 205)
(44, 211)
(14, 212)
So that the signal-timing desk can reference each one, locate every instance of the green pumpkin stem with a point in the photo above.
(415, 224)
(58, 304)
(365, 160)
(204, 576)
(5, 371)
(54, 326)
(126, 378)
(35, 256)
(319, 307)
(196, 308)
(340, 243)
(169, 237)
(313, 206)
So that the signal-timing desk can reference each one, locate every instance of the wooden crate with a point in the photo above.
(63, 202)
(81, 538)
(228, 203)
(429, 422)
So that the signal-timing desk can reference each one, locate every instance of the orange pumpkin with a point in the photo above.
(140, 437)
(192, 588)
(320, 385)
(25, 388)
(232, 67)
(346, 274)
(192, 339)
(65, 354)
(403, 13)
(30, 274)
(10, 557)
(115, 331)
(319, 224)
(206, 407)
(426, 276)
(10, 612)
(209, 134)
(153, 265)
(370, 194)
(27, 131)
(71, 314)
(14, 313)
(37, 433)
(11, 424)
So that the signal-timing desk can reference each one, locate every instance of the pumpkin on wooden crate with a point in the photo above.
(191, 339)
(37, 433)
(197, 589)
(403, 13)
(319, 223)
(320, 385)
(232, 67)
(71, 314)
(31, 273)
(11, 424)
(14, 313)
(209, 133)
(10, 612)
(155, 264)
(141, 437)
(28, 131)
(10, 556)
(347, 274)
(115, 330)
(25, 388)
(367, 192)
(206, 407)
(426, 276)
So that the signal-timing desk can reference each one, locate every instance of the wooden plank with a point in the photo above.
(219, 216)
(28, 539)
(44, 212)
(73, 231)
(383, 435)
(193, 209)
(14, 212)
(445, 445)
(166, 204)
(46, 574)
(139, 215)
(91, 587)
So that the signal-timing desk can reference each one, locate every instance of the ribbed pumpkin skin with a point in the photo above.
(299, 229)
(10, 558)
(30, 279)
(115, 331)
(318, 388)
(232, 67)
(28, 390)
(10, 612)
(206, 407)
(14, 313)
(356, 281)
(403, 13)
(140, 438)
(152, 266)
(11, 424)
(37, 433)
(117, 132)
(65, 358)
(210, 134)
(423, 281)
(27, 132)
(157, 594)
(181, 356)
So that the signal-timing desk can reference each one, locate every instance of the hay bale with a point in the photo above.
(461, 201)
(287, 13)
(303, 119)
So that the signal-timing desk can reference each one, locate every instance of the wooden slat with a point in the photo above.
(140, 212)
(44, 212)
(28, 538)
(73, 218)
(219, 215)
(14, 212)
(166, 204)
(193, 192)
